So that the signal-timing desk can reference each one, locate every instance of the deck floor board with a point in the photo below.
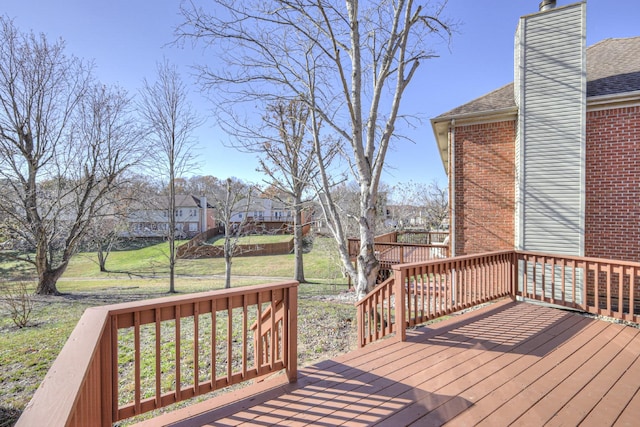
(507, 363)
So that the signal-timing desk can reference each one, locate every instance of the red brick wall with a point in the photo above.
(485, 187)
(612, 221)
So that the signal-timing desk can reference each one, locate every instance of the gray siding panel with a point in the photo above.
(551, 90)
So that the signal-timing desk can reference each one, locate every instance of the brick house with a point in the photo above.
(551, 162)
(150, 217)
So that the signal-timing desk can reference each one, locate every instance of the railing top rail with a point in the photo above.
(450, 260)
(580, 258)
(420, 245)
(405, 231)
(380, 286)
(190, 298)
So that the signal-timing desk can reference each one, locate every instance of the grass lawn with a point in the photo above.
(326, 328)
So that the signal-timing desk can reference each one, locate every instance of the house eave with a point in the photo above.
(605, 102)
(440, 126)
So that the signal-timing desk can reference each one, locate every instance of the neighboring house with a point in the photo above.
(151, 218)
(262, 209)
(267, 215)
(551, 162)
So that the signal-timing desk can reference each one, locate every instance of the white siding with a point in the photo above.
(551, 93)
(517, 94)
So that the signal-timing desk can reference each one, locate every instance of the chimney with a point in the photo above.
(203, 205)
(550, 92)
(547, 5)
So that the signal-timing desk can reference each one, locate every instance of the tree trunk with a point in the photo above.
(367, 262)
(102, 259)
(172, 225)
(47, 279)
(172, 275)
(297, 244)
(228, 255)
(227, 271)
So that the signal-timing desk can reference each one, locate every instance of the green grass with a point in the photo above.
(150, 264)
(26, 354)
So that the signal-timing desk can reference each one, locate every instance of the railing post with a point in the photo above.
(360, 326)
(106, 373)
(401, 321)
(514, 275)
(292, 347)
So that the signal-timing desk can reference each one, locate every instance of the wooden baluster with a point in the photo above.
(178, 391)
(136, 361)
(196, 347)
(214, 330)
(158, 397)
(244, 336)
(229, 339)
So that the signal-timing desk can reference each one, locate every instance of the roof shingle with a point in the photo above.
(613, 67)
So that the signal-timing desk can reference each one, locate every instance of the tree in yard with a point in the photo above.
(350, 65)
(171, 121)
(289, 162)
(437, 206)
(287, 158)
(418, 201)
(232, 203)
(64, 141)
(109, 227)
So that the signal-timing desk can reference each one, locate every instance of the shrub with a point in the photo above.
(19, 302)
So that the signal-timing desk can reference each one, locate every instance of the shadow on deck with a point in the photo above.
(509, 362)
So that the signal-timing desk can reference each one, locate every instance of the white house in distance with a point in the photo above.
(152, 219)
(262, 209)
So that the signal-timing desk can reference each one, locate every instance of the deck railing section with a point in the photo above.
(436, 288)
(376, 315)
(604, 287)
(126, 359)
(433, 289)
(404, 247)
(422, 237)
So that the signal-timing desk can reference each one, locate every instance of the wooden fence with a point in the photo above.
(126, 359)
(211, 251)
(196, 241)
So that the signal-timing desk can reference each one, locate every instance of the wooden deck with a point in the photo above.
(508, 363)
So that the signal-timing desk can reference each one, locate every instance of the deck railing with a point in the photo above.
(405, 247)
(603, 287)
(126, 359)
(432, 289)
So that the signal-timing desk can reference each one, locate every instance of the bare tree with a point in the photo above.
(109, 227)
(232, 204)
(419, 204)
(289, 162)
(64, 141)
(172, 121)
(349, 65)
(408, 208)
(437, 206)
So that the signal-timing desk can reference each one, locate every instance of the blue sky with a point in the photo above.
(125, 39)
